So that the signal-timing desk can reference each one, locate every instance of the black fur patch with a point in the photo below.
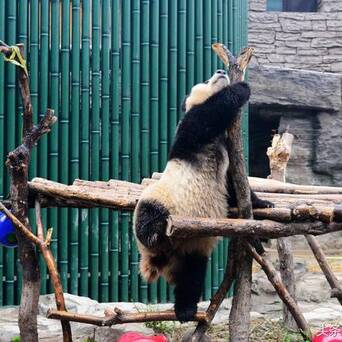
(150, 225)
(189, 280)
(160, 260)
(207, 121)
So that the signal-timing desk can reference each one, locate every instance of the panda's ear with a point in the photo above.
(184, 103)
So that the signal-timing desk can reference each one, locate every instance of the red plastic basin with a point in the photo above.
(136, 337)
(329, 334)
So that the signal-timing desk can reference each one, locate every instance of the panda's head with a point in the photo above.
(203, 91)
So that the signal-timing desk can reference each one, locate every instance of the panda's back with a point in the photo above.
(194, 189)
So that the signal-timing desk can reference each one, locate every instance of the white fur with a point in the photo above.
(187, 191)
(202, 91)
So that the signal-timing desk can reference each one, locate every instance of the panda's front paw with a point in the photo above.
(185, 314)
(242, 92)
(259, 203)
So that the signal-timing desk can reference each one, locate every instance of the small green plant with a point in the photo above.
(161, 327)
(15, 339)
(91, 339)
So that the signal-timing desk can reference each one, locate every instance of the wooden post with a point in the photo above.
(18, 164)
(239, 318)
(279, 154)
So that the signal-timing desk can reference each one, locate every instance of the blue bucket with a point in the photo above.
(7, 232)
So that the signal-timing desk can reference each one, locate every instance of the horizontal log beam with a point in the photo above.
(180, 227)
(117, 194)
(120, 317)
(271, 185)
(119, 198)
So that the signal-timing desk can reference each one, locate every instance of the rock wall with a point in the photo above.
(310, 104)
(311, 41)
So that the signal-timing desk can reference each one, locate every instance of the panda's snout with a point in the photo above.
(221, 72)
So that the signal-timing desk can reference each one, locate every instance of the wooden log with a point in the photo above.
(119, 317)
(325, 267)
(283, 293)
(275, 186)
(124, 195)
(18, 162)
(239, 318)
(95, 196)
(286, 267)
(184, 227)
(44, 247)
(220, 294)
(279, 154)
(301, 213)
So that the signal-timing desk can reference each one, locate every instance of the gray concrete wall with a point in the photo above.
(311, 41)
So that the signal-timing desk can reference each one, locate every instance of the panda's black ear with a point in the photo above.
(184, 103)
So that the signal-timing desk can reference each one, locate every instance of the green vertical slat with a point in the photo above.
(74, 137)
(163, 108)
(105, 148)
(21, 37)
(223, 26)
(10, 125)
(207, 39)
(95, 147)
(181, 81)
(34, 70)
(135, 119)
(163, 83)
(43, 104)
(199, 41)
(230, 25)
(154, 98)
(125, 141)
(84, 146)
(190, 48)
(145, 107)
(54, 104)
(215, 32)
(63, 154)
(172, 69)
(115, 144)
(2, 136)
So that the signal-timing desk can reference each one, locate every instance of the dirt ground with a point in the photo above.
(261, 331)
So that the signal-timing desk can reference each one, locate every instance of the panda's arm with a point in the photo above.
(232, 98)
(203, 123)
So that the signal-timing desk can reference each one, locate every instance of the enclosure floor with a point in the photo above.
(306, 257)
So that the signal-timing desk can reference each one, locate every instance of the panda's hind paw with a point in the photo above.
(262, 204)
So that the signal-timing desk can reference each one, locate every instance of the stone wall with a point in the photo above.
(309, 103)
(311, 41)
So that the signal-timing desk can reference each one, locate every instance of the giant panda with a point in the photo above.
(194, 184)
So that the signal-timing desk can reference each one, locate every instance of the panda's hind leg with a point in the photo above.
(150, 225)
(151, 267)
(189, 279)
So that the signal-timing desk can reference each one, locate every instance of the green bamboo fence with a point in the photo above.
(116, 73)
